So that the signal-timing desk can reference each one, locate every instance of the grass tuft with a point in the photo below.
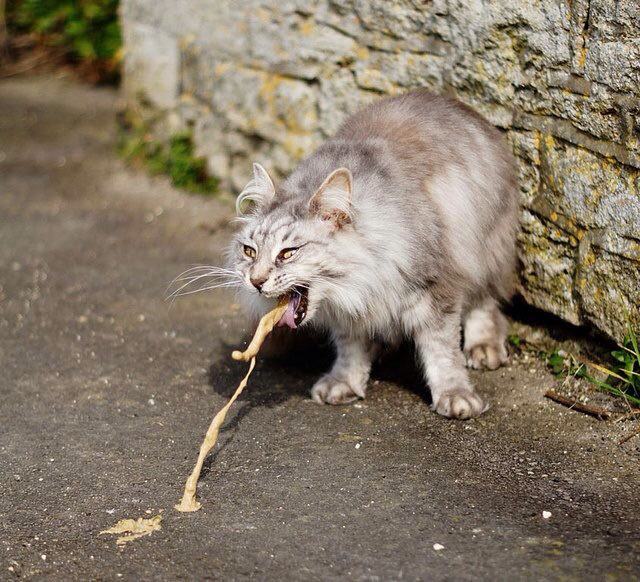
(620, 378)
(176, 159)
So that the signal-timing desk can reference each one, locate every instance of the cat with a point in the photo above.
(402, 225)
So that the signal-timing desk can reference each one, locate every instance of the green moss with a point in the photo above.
(176, 158)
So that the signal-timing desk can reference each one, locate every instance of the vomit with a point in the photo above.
(189, 502)
(134, 528)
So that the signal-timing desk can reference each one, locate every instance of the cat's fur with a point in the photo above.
(415, 236)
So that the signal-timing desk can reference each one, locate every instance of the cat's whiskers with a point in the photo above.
(210, 269)
(190, 281)
(208, 288)
(226, 278)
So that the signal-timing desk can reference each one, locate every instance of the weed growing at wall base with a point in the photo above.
(621, 378)
(176, 159)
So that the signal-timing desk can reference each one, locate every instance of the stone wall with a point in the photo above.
(268, 80)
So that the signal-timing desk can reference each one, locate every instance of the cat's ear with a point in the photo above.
(332, 201)
(260, 191)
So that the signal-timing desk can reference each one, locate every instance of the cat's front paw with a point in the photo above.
(490, 355)
(330, 390)
(461, 403)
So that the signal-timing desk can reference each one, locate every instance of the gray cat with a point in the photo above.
(401, 225)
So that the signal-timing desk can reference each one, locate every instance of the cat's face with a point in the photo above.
(287, 250)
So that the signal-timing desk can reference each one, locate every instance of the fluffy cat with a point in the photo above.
(403, 224)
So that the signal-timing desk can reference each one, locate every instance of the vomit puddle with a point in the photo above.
(134, 528)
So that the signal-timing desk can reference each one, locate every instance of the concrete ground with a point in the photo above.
(106, 392)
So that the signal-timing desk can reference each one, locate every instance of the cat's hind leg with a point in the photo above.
(485, 334)
(436, 331)
(347, 380)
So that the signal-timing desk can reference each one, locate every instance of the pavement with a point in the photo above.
(106, 391)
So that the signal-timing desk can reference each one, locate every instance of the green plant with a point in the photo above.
(621, 379)
(88, 30)
(559, 362)
(176, 159)
(515, 340)
(185, 169)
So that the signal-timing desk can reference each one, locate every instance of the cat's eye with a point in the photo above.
(285, 254)
(249, 251)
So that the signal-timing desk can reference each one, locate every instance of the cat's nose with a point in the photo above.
(258, 282)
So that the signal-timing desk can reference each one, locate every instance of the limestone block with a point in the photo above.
(151, 65)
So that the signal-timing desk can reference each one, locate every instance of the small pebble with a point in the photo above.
(438, 547)
(546, 514)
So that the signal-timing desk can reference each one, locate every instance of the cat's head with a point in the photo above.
(290, 245)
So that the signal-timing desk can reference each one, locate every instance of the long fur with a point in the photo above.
(430, 240)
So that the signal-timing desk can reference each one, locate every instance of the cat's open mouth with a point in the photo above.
(296, 308)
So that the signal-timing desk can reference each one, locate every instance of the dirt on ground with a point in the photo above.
(106, 391)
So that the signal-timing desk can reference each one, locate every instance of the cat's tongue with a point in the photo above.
(289, 316)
